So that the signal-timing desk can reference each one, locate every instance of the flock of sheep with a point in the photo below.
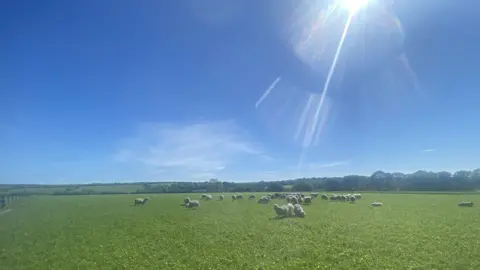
(293, 208)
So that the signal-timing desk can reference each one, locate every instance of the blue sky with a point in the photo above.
(113, 91)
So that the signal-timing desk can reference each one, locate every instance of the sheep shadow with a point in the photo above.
(283, 217)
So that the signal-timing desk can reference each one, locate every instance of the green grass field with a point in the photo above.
(411, 231)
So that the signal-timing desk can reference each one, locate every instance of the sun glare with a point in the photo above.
(352, 5)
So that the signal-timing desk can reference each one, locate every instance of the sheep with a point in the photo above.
(334, 197)
(300, 200)
(298, 209)
(324, 197)
(263, 200)
(221, 197)
(234, 197)
(307, 200)
(204, 196)
(314, 195)
(377, 204)
(357, 196)
(280, 210)
(284, 210)
(251, 197)
(141, 201)
(208, 197)
(353, 199)
(192, 204)
(282, 196)
(290, 210)
(293, 200)
(186, 200)
(239, 197)
(469, 204)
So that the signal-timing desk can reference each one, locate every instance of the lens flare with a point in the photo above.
(352, 6)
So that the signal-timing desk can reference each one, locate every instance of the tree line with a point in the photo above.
(379, 181)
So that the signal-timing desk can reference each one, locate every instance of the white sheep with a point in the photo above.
(469, 204)
(292, 199)
(357, 196)
(298, 209)
(221, 197)
(251, 197)
(352, 199)
(324, 197)
(186, 200)
(307, 200)
(141, 201)
(193, 204)
(290, 210)
(208, 197)
(284, 210)
(263, 200)
(239, 197)
(204, 196)
(377, 204)
(280, 210)
(234, 197)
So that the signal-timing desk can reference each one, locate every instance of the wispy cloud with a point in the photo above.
(200, 150)
(267, 92)
(329, 164)
(429, 150)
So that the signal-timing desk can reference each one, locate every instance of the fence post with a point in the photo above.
(2, 202)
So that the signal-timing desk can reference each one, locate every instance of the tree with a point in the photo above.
(302, 186)
(275, 187)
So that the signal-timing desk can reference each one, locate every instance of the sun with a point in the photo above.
(352, 6)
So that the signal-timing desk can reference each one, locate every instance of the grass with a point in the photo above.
(411, 231)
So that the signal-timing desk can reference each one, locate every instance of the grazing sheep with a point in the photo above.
(334, 197)
(357, 196)
(251, 197)
(208, 197)
(284, 210)
(263, 200)
(324, 197)
(186, 200)
(353, 199)
(192, 204)
(280, 210)
(234, 197)
(377, 204)
(298, 209)
(300, 200)
(141, 201)
(294, 200)
(204, 196)
(221, 197)
(307, 200)
(314, 195)
(239, 197)
(469, 204)
(290, 210)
